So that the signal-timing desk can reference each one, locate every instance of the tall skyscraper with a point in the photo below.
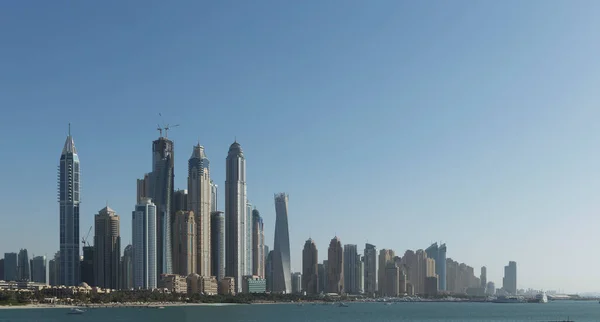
(360, 274)
(200, 202)
(143, 228)
(161, 192)
(11, 267)
(269, 271)
(370, 278)
(69, 199)
(483, 277)
(235, 214)
(217, 246)
(143, 188)
(248, 250)
(509, 282)
(282, 272)
(440, 267)
(350, 272)
(258, 244)
(107, 248)
(38, 272)
(385, 256)
(321, 278)
(214, 197)
(184, 243)
(310, 267)
(2, 268)
(126, 267)
(335, 267)
(23, 266)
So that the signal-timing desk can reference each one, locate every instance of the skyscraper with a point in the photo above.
(335, 267)
(143, 188)
(199, 201)
(440, 267)
(161, 192)
(350, 272)
(235, 213)
(269, 271)
(180, 201)
(214, 197)
(87, 266)
(509, 282)
(2, 268)
(144, 245)
(248, 250)
(107, 248)
(126, 267)
(184, 243)
(282, 278)
(258, 244)
(69, 198)
(370, 278)
(54, 270)
(385, 256)
(483, 277)
(360, 274)
(23, 266)
(217, 246)
(11, 267)
(38, 272)
(310, 267)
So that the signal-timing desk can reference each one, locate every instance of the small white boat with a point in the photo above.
(76, 311)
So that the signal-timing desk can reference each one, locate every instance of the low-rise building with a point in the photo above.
(173, 283)
(254, 284)
(227, 286)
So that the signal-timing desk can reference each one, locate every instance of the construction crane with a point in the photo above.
(167, 127)
(84, 240)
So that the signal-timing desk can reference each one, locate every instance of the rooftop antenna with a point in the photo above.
(159, 129)
(69, 129)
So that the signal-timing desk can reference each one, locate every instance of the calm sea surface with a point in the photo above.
(377, 312)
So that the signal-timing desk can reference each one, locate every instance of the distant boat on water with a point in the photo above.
(76, 311)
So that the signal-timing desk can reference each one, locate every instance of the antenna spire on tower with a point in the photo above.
(69, 129)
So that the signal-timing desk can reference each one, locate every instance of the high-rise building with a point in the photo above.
(200, 202)
(54, 270)
(420, 272)
(23, 266)
(509, 282)
(235, 213)
(217, 246)
(180, 200)
(350, 271)
(2, 268)
(325, 276)
(69, 199)
(144, 242)
(269, 271)
(161, 192)
(248, 250)
(38, 271)
(370, 276)
(360, 274)
(126, 266)
(490, 288)
(296, 282)
(214, 189)
(87, 266)
(483, 277)
(11, 267)
(258, 244)
(385, 256)
(392, 280)
(321, 278)
(184, 243)
(107, 248)
(310, 268)
(335, 267)
(143, 188)
(438, 253)
(281, 251)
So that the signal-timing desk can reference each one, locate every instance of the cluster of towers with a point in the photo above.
(174, 232)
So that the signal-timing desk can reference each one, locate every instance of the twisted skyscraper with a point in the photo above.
(68, 198)
(282, 274)
(235, 214)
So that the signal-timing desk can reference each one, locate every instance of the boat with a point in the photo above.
(342, 304)
(541, 298)
(76, 311)
(509, 299)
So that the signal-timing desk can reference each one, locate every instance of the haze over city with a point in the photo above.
(394, 123)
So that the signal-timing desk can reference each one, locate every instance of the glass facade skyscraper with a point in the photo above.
(282, 273)
(144, 245)
(235, 214)
(69, 199)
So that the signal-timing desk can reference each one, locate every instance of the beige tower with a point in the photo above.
(392, 282)
(107, 248)
(199, 201)
(310, 264)
(335, 267)
(184, 243)
(385, 256)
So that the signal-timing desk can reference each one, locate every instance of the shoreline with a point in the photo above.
(108, 305)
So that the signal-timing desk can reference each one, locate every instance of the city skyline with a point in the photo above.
(469, 124)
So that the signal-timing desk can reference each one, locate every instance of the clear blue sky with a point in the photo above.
(400, 123)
